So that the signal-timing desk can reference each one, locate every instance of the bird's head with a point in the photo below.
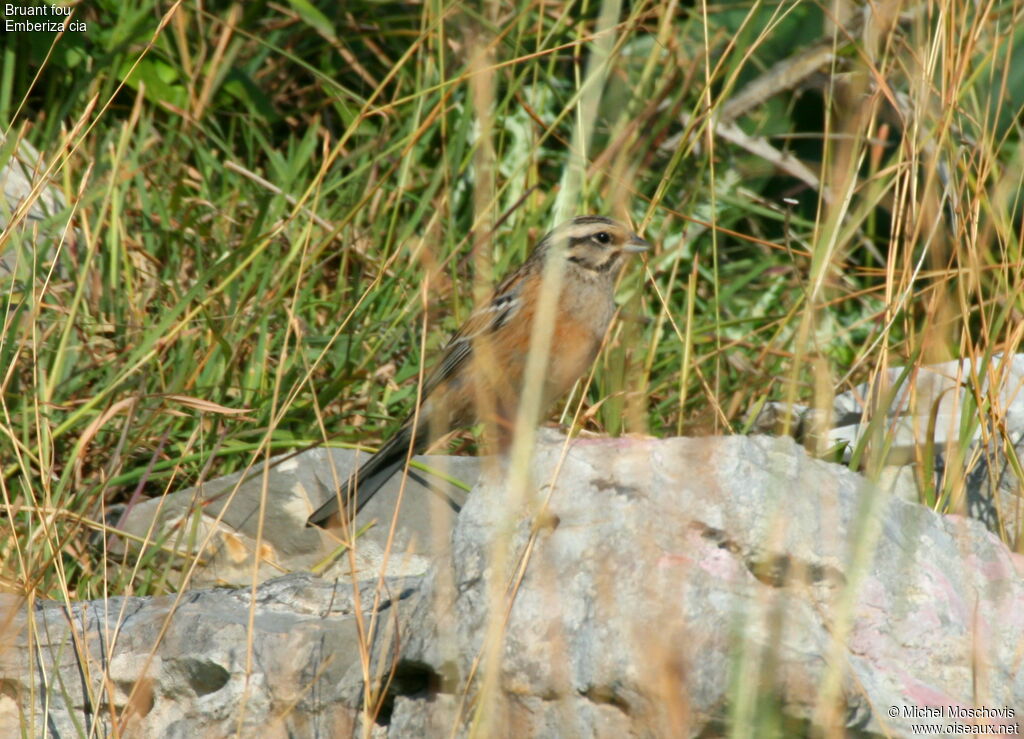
(595, 244)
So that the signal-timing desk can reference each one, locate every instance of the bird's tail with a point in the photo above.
(370, 476)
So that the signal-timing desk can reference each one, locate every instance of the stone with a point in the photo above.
(682, 587)
(180, 667)
(34, 236)
(221, 518)
(679, 569)
(932, 410)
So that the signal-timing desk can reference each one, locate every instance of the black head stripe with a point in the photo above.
(607, 264)
(604, 266)
(583, 220)
(570, 241)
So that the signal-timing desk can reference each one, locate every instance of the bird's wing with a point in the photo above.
(503, 305)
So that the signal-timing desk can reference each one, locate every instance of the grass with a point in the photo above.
(275, 212)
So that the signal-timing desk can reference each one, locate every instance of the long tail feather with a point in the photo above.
(370, 477)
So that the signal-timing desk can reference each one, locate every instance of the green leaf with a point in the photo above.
(314, 18)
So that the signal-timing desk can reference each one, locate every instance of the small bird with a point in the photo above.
(479, 376)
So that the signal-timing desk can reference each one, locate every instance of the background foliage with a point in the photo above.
(267, 205)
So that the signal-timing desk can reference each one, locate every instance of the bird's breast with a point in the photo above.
(576, 339)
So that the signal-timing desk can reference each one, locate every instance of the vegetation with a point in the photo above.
(273, 212)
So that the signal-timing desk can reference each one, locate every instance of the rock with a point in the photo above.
(226, 511)
(685, 587)
(18, 177)
(683, 572)
(938, 407)
(98, 658)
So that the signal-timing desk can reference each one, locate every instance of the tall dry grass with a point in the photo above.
(275, 213)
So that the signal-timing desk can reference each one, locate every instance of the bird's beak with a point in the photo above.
(635, 244)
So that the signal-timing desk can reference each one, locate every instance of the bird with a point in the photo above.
(480, 372)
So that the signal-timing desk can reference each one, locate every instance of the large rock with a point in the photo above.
(670, 588)
(169, 667)
(222, 519)
(945, 427)
(32, 237)
(676, 577)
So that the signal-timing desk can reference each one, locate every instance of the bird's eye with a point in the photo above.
(603, 237)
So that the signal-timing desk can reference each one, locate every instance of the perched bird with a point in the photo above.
(479, 376)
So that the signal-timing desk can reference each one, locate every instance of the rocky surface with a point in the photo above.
(33, 236)
(222, 519)
(678, 567)
(668, 588)
(173, 667)
(931, 413)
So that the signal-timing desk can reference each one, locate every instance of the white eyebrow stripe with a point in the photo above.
(579, 231)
